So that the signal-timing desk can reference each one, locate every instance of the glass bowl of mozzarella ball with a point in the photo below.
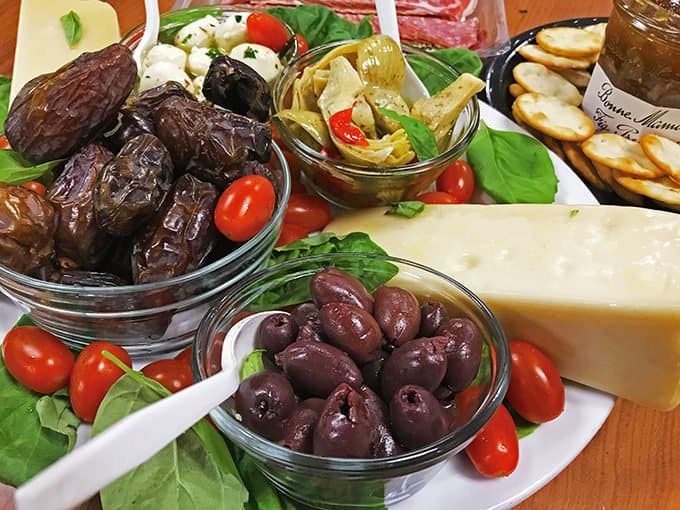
(190, 39)
(361, 375)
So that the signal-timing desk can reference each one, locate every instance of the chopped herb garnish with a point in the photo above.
(73, 28)
(238, 18)
(186, 38)
(213, 53)
(407, 209)
(573, 213)
(250, 53)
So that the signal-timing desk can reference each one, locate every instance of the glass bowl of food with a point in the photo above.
(339, 110)
(191, 38)
(381, 371)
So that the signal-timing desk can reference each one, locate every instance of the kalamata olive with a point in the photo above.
(307, 313)
(353, 330)
(331, 285)
(275, 333)
(298, 430)
(308, 332)
(264, 400)
(314, 403)
(417, 418)
(432, 315)
(398, 314)
(375, 404)
(463, 351)
(316, 369)
(421, 361)
(383, 444)
(373, 370)
(345, 427)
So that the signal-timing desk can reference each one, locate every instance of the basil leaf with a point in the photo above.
(421, 137)
(186, 474)
(524, 427)
(26, 447)
(409, 209)
(16, 170)
(25, 320)
(73, 27)
(54, 412)
(484, 371)
(253, 364)
(172, 23)
(512, 167)
(319, 25)
(461, 59)
(5, 85)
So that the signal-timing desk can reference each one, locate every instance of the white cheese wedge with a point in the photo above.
(596, 287)
(41, 43)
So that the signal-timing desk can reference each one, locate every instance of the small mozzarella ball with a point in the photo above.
(262, 59)
(231, 31)
(199, 61)
(165, 53)
(198, 88)
(161, 72)
(197, 33)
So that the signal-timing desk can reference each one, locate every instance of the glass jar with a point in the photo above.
(636, 83)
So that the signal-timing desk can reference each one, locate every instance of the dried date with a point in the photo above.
(27, 225)
(213, 145)
(78, 237)
(90, 279)
(180, 236)
(133, 185)
(56, 113)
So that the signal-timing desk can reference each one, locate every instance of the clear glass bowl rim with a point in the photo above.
(412, 169)
(406, 462)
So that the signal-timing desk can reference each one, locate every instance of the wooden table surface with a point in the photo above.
(634, 460)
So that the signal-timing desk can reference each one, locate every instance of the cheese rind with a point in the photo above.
(41, 43)
(596, 287)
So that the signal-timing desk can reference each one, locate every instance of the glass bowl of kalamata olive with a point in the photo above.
(375, 371)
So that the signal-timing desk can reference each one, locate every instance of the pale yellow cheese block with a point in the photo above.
(596, 287)
(41, 44)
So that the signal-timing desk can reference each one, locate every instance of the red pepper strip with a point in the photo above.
(342, 127)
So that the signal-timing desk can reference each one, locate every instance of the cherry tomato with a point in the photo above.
(495, 450)
(303, 45)
(174, 374)
(185, 356)
(245, 207)
(310, 212)
(265, 29)
(291, 232)
(37, 359)
(92, 377)
(458, 180)
(36, 187)
(4, 143)
(436, 197)
(536, 391)
(297, 187)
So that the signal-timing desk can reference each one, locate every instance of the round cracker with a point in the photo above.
(516, 90)
(661, 189)
(621, 154)
(555, 118)
(600, 29)
(553, 145)
(627, 195)
(603, 172)
(663, 152)
(583, 166)
(577, 77)
(569, 41)
(535, 77)
(534, 53)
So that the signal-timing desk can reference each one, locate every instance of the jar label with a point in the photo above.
(616, 111)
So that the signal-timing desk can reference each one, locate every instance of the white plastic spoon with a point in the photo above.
(413, 88)
(136, 438)
(150, 36)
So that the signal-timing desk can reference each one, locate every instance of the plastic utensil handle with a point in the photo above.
(151, 29)
(122, 447)
(387, 17)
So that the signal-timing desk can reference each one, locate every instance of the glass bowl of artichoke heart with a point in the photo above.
(360, 143)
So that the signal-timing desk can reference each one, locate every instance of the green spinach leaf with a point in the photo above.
(512, 167)
(262, 495)
(186, 474)
(73, 27)
(26, 447)
(16, 170)
(409, 209)
(172, 23)
(419, 134)
(319, 25)
(253, 364)
(25, 320)
(54, 412)
(5, 85)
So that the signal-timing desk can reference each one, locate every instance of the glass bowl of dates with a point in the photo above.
(339, 110)
(126, 243)
(372, 372)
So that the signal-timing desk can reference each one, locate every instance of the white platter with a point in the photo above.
(544, 454)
